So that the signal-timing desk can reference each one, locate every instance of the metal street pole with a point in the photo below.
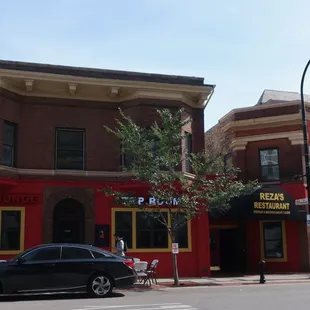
(305, 132)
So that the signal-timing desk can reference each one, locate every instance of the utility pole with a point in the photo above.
(305, 133)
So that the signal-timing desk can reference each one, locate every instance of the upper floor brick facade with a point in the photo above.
(52, 118)
(266, 140)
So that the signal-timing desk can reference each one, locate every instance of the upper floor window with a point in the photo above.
(126, 159)
(9, 144)
(188, 151)
(70, 149)
(269, 164)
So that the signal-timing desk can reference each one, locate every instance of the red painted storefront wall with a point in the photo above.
(292, 245)
(194, 263)
(253, 240)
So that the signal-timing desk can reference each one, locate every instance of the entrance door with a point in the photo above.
(229, 250)
(68, 222)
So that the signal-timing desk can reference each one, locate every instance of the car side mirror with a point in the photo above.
(21, 260)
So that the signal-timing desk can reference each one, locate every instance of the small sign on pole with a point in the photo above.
(175, 248)
(301, 202)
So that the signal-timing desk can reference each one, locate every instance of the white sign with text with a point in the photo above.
(301, 202)
(175, 248)
(153, 201)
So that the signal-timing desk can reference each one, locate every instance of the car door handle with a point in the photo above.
(89, 263)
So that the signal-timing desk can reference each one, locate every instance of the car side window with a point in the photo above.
(50, 253)
(75, 253)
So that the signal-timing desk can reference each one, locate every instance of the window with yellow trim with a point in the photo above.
(11, 230)
(150, 232)
(273, 239)
(142, 231)
(123, 226)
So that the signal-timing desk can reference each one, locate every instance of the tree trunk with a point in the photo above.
(175, 264)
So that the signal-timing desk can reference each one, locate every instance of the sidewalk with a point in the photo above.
(242, 280)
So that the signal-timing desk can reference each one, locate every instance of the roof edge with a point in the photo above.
(102, 73)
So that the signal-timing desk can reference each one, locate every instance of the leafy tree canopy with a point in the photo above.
(158, 153)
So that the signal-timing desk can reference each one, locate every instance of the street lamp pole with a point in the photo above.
(305, 132)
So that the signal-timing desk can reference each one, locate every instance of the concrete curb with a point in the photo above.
(196, 284)
(192, 284)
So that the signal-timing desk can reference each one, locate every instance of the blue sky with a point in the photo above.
(241, 46)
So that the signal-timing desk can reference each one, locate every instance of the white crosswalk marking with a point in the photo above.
(166, 306)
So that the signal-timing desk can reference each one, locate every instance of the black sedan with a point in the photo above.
(65, 268)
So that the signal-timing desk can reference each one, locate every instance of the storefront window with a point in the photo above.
(142, 230)
(123, 226)
(150, 232)
(181, 236)
(70, 146)
(269, 164)
(273, 240)
(11, 230)
(9, 144)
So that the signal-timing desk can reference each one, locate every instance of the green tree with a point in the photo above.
(157, 155)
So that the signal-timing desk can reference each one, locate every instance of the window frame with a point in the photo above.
(262, 241)
(117, 231)
(152, 230)
(57, 129)
(14, 146)
(188, 141)
(134, 248)
(22, 230)
(261, 166)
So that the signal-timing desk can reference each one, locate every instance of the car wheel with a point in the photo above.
(100, 285)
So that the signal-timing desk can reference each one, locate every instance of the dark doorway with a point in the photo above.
(68, 222)
(229, 251)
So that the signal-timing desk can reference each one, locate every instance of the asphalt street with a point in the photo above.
(255, 297)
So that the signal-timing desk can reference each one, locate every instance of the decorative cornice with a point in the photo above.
(295, 137)
(114, 91)
(149, 94)
(257, 108)
(72, 88)
(263, 122)
(17, 172)
(193, 95)
(29, 85)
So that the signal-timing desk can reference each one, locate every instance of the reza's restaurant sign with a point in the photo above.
(268, 202)
(272, 203)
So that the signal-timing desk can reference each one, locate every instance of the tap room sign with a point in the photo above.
(151, 201)
(266, 203)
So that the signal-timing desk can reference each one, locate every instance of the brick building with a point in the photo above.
(55, 155)
(266, 142)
